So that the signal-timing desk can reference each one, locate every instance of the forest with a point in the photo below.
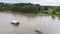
(30, 8)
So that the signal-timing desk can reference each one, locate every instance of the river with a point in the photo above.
(28, 24)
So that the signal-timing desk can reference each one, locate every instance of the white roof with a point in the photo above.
(15, 21)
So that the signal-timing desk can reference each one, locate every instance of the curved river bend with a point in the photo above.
(28, 24)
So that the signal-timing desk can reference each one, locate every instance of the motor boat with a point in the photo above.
(15, 22)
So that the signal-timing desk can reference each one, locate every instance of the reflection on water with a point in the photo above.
(53, 17)
(59, 17)
(28, 24)
(14, 25)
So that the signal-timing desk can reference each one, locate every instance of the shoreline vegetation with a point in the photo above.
(30, 8)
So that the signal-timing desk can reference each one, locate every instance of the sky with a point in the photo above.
(41, 2)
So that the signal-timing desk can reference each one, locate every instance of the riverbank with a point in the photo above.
(32, 14)
(38, 14)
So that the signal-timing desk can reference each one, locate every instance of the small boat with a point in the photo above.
(15, 22)
(38, 31)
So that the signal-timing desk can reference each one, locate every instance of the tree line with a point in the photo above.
(29, 8)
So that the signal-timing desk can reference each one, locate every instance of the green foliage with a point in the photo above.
(30, 8)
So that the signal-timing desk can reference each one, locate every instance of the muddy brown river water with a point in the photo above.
(28, 24)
